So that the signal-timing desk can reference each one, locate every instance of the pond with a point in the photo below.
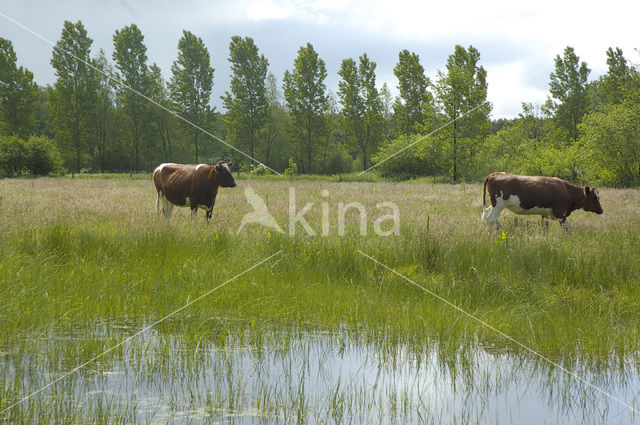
(304, 377)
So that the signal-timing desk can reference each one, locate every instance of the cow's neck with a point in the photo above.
(577, 198)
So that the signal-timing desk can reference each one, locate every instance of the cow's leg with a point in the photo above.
(564, 225)
(194, 208)
(486, 212)
(167, 207)
(492, 218)
(545, 222)
(158, 203)
(208, 215)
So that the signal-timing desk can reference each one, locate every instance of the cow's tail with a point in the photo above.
(484, 192)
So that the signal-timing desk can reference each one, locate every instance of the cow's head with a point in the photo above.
(222, 174)
(592, 200)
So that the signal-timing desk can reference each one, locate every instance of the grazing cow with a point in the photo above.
(549, 197)
(190, 185)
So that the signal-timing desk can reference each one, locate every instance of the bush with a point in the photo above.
(259, 170)
(400, 159)
(13, 156)
(38, 156)
(43, 156)
(292, 169)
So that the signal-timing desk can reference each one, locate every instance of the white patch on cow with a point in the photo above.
(160, 167)
(224, 164)
(200, 165)
(597, 195)
(512, 203)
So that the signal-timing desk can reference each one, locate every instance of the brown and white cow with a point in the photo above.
(190, 185)
(549, 197)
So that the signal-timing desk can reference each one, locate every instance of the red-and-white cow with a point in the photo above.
(190, 185)
(549, 197)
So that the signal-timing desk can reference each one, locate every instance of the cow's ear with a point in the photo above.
(230, 163)
(586, 190)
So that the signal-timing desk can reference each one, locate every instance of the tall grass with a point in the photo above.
(84, 253)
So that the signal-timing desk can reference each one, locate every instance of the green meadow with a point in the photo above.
(86, 263)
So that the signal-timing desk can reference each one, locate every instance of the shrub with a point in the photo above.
(259, 169)
(43, 156)
(38, 156)
(13, 156)
(292, 169)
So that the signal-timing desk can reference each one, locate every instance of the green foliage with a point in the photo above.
(361, 106)
(612, 138)
(568, 91)
(13, 156)
(246, 104)
(292, 169)
(274, 141)
(37, 156)
(462, 98)
(258, 170)
(43, 157)
(403, 158)
(414, 104)
(191, 84)
(130, 56)
(18, 94)
(307, 102)
(73, 95)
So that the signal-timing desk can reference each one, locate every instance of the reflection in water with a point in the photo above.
(308, 378)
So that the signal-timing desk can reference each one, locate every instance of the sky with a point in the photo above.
(517, 41)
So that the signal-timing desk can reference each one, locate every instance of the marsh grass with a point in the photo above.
(86, 252)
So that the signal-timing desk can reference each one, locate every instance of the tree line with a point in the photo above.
(120, 114)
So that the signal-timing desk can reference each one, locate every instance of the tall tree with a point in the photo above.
(273, 129)
(568, 91)
(462, 96)
(164, 122)
(415, 101)
(306, 99)
(73, 95)
(246, 104)
(191, 83)
(387, 110)
(617, 77)
(18, 94)
(103, 110)
(130, 56)
(361, 106)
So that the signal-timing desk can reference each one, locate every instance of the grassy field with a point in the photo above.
(81, 254)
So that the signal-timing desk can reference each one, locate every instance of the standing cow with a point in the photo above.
(190, 185)
(549, 197)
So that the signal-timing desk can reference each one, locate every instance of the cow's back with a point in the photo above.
(532, 191)
(174, 181)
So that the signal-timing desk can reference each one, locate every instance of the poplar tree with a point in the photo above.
(246, 104)
(568, 91)
(72, 98)
(361, 106)
(191, 84)
(415, 101)
(18, 94)
(462, 97)
(307, 101)
(130, 56)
